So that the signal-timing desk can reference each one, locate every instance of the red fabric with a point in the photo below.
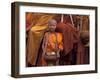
(80, 54)
(70, 36)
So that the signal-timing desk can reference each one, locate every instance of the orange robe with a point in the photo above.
(52, 40)
(35, 36)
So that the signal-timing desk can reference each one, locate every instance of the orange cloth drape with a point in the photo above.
(53, 40)
(35, 36)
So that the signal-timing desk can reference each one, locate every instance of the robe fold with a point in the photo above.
(35, 37)
(73, 47)
(70, 36)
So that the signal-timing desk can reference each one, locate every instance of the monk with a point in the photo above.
(70, 41)
(35, 36)
(52, 45)
(73, 48)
